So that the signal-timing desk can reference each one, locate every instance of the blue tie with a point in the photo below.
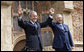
(61, 26)
(35, 25)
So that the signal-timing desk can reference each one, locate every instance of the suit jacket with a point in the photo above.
(61, 36)
(33, 35)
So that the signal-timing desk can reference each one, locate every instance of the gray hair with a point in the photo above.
(31, 12)
(58, 14)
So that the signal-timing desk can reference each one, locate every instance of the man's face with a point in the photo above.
(34, 16)
(59, 19)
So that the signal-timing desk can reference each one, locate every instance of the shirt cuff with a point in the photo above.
(50, 16)
(19, 18)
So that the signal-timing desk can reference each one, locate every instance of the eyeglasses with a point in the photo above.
(35, 16)
(59, 17)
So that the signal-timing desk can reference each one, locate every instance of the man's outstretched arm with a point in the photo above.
(20, 21)
(49, 20)
(70, 38)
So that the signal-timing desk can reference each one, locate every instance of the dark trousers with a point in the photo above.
(62, 49)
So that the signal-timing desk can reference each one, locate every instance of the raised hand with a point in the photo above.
(51, 11)
(20, 12)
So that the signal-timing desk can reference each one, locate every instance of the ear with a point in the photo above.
(62, 20)
(30, 16)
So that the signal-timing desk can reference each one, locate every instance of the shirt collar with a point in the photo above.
(60, 24)
(32, 22)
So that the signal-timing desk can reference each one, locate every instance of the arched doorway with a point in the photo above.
(19, 45)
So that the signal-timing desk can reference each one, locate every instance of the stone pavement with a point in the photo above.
(49, 48)
(78, 49)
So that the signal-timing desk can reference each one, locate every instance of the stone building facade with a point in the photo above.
(13, 39)
(77, 19)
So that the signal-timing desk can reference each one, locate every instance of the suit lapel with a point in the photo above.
(38, 26)
(31, 23)
(65, 28)
(57, 25)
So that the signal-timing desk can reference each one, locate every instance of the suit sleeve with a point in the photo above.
(46, 23)
(70, 37)
(21, 23)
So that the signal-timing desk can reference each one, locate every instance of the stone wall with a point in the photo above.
(77, 19)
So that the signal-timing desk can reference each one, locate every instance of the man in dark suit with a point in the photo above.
(62, 36)
(32, 30)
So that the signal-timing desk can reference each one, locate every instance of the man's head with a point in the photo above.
(33, 16)
(59, 18)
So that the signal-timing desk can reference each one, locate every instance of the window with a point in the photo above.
(47, 38)
(24, 5)
(44, 17)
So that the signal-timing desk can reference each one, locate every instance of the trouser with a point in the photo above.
(62, 49)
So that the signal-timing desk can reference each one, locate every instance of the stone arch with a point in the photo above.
(19, 43)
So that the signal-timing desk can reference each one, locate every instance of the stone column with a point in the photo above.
(6, 38)
(68, 20)
(68, 8)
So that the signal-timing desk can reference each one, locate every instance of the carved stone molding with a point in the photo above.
(6, 3)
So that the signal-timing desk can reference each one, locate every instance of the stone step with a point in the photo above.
(78, 44)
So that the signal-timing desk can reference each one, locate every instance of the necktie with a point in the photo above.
(35, 25)
(61, 26)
